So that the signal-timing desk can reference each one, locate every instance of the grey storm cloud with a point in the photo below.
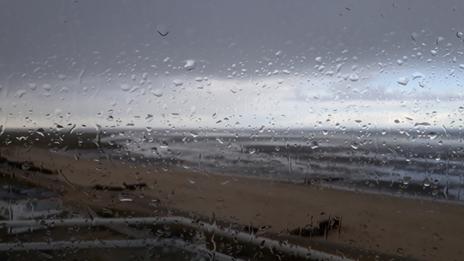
(260, 53)
(120, 34)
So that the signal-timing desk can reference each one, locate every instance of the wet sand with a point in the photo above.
(413, 228)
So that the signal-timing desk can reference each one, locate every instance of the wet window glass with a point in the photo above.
(231, 130)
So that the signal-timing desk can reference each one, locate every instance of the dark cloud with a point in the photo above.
(98, 45)
(123, 34)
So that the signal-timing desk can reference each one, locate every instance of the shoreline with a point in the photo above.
(420, 229)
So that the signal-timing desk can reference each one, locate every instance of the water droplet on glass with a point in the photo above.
(440, 39)
(406, 180)
(314, 145)
(47, 87)
(125, 87)
(353, 77)
(20, 93)
(177, 82)
(125, 198)
(189, 65)
(417, 75)
(26, 166)
(422, 124)
(162, 30)
(157, 92)
(403, 81)
(426, 183)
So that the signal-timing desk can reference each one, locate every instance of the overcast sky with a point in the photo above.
(232, 64)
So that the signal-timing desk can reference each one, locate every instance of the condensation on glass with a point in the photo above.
(239, 130)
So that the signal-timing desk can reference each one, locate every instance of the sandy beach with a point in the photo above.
(387, 226)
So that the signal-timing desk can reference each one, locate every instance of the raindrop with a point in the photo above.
(124, 198)
(422, 124)
(20, 93)
(440, 39)
(178, 82)
(403, 81)
(417, 75)
(314, 145)
(26, 166)
(189, 65)
(426, 183)
(406, 180)
(162, 30)
(157, 92)
(47, 87)
(353, 77)
(125, 87)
